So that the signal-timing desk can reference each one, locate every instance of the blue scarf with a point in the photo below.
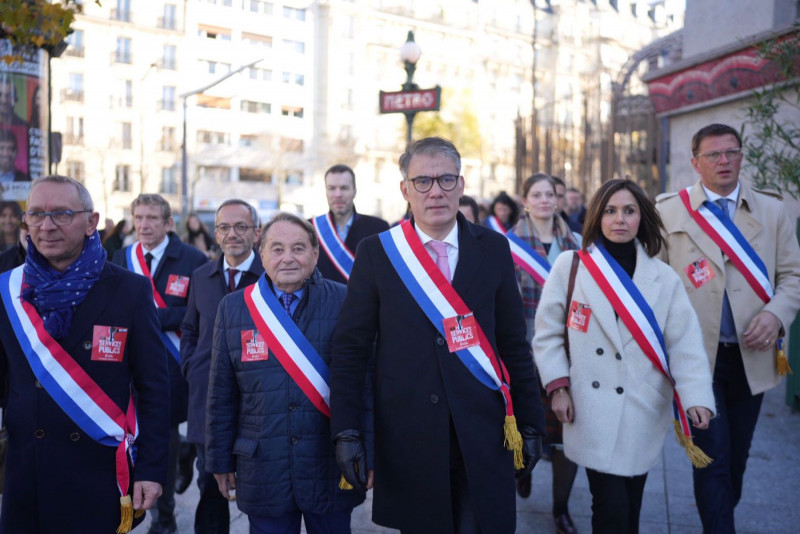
(56, 295)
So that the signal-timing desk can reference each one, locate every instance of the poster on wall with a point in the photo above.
(23, 119)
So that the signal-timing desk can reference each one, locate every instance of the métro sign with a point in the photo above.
(410, 101)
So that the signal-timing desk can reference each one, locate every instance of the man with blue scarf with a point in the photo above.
(84, 375)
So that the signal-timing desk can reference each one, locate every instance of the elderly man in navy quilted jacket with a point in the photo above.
(268, 439)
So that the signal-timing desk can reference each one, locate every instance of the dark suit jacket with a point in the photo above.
(421, 388)
(12, 257)
(59, 479)
(363, 226)
(179, 259)
(206, 289)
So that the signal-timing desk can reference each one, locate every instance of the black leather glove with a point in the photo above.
(531, 450)
(352, 459)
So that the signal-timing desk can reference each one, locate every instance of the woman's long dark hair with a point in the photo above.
(650, 226)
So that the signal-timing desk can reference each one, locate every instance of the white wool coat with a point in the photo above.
(623, 405)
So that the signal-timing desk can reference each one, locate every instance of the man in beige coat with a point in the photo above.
(740, 330)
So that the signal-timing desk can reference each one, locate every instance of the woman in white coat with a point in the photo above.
(628, 315)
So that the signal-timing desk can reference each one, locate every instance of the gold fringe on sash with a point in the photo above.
(344, 484)
(696, 455)
(783, 362)
(126, 521)
(513, 440)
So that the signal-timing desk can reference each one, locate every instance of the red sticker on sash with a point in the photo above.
(579, 315)
(108, 343)
(177, 285)
(699, 273)
(254, 349)
(461, 332)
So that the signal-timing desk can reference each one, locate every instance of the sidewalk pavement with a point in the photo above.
(769, 502)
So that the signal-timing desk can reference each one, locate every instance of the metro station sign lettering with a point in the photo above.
(410, 101)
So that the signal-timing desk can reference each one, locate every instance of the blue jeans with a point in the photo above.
(718, 487)
(331, 523)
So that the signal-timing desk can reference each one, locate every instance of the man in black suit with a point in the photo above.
(63, 469)
(236, 230)
(168, 262)
(351, 227)
(440, 461)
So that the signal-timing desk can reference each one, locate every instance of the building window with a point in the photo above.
(169, 182)
(127, 92)
(75, 41)
(257, 39)
(297, 79)
(260, 74)
(168, 20)
(168, 59)
(122, 178)
(213, 32)
(248, 140)
(167, 138)
(248, 106)
(298, 47)
(292, 111)
(123, 11)
(74, 133)
(168, 98)
(260, 6)
(74, 90)
(123, 53)
(216, 174)
(212, 138)
(294, 13)
(75, 169)
(127, 135)
(218, 68)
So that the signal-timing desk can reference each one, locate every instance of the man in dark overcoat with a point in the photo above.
(78, 339)
(441, 465)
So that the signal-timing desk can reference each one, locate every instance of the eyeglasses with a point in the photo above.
(423, 184)
(731, 154)
(59, 218)
(239, 228)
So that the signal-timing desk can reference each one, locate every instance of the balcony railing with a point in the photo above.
(121, 57)
(167, 23)
(123, 15)
(74, 95)
(74, 51)
(73, 139)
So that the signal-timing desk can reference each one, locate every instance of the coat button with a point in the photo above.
(39, 434)
(440, 341)
(618, 356)
(292, 407)
(595, 384)
(295, 440)
(74, 436)
(38, 384)
(620, 390)
(599, 352)
(434, 398)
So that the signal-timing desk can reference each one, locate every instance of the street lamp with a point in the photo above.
(410, 53)
(184, 169)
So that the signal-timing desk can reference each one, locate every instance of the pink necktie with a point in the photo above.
(440, 249)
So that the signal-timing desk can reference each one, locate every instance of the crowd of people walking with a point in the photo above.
(434, 362)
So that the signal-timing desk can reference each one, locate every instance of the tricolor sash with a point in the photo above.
(294, 352)
(341, 256)
(75, 392)
(524, 256)
(638, 317)
(727, 236)
(137, 264)
(439, 300)
(724, 233)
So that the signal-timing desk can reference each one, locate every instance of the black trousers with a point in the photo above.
(616, 502)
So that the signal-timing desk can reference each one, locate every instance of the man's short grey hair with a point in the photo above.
(83, 193)
(239, 202)
(429, 146)
(152, 199)
(291, 218)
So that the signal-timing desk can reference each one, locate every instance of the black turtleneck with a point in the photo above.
(624, 253)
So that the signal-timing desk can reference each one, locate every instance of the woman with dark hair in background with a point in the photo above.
(10, 219)
(469, 208)
(113, 240)
(505, 209)
(541, 228)
(619, 349)
(197, 235)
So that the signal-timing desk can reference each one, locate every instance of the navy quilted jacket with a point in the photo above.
(262, 426)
